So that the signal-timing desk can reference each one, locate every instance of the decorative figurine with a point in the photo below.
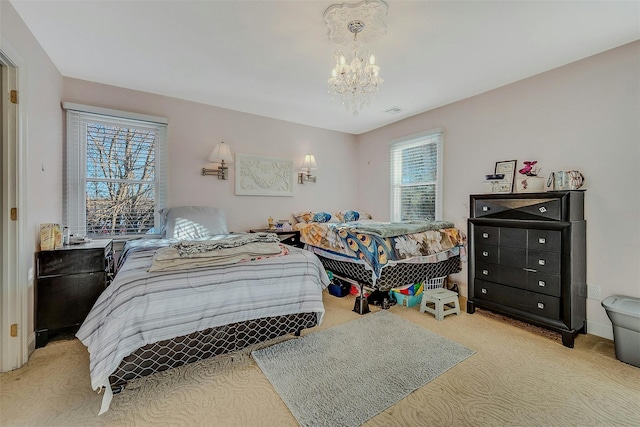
(530, 168)
(271, 224)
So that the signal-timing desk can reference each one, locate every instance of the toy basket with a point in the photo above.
(435, 283)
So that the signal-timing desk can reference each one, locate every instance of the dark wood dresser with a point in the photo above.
(68, 282)
(527, 258)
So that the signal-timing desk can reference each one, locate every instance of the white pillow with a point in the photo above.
(193, 222)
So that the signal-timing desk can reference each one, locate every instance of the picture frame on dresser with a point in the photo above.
(508, 169)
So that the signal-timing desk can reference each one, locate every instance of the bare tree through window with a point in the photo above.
(120, 181)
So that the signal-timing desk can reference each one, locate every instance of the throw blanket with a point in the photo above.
(170, 259)
(377, 251)
(189, 247)
(391, 229)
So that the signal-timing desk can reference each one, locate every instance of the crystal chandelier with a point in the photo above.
(355, 81)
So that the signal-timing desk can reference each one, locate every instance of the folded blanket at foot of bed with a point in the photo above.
(170, 259)
(191, 247)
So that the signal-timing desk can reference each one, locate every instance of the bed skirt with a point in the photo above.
(393, 275)
(200, 345)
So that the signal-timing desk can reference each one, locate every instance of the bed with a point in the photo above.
(153, 317)
(382, 255)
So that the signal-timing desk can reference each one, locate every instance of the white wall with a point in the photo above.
(39, 109)
(583, 116)
(194, 129)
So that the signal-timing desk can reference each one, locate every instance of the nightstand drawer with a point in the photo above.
(65, 301)
(85, 258)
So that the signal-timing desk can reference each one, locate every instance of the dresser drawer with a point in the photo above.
(513, 257)
(513, 237)
(487, 254)
(520, 299)
(544, 262)
(542, 209)
(528, 208)
(543, 283)
(544, 240)
(487, 271)
(487, 208)
(486, 235)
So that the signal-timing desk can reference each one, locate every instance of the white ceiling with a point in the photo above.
(273, 58)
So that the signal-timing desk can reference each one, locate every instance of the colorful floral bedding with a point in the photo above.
(376, 243)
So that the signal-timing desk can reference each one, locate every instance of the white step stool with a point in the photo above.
(439, 297)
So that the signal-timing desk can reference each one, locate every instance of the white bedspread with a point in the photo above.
(140, 308)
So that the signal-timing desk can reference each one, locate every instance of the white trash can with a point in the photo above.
(624, 313)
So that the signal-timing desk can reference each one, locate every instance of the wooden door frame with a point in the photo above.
(14, 277)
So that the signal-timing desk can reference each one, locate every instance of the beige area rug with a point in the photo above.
(356, 370)
(516, 378)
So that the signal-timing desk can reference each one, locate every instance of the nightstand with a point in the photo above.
(69, 280)
(287, 237)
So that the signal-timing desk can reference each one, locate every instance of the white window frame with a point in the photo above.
(434, 136)
(76, 161)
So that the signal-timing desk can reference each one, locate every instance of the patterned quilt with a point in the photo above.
(366, 240)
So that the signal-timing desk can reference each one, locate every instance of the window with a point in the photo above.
(115, 172)
(416, 178)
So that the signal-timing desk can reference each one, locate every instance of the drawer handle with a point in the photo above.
(542, 209)
(485, 272)
(530, 270)
(485, 253)
(483, 290)
(541, 305)
(485, 208)
(485, 235)
(541, 262)
(542, 240)
(542, 283)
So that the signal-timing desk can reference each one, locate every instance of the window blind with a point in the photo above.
(115, 174)
(416, 177)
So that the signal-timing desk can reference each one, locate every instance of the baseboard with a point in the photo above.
(599, 329)
(31, 344)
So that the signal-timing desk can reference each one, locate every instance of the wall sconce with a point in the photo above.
(220, 154)
(307, 166)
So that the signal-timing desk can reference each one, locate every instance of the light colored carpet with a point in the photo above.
(516, 378)
(356, 370)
